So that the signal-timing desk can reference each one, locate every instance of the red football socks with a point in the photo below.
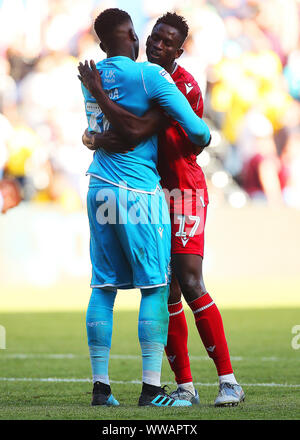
(176, 349)
(210, 327)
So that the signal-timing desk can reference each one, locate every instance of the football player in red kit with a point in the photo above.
(185, 182)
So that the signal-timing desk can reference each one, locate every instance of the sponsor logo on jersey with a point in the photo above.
(113, 94)
(166, 75)
(93, 107)
(109, 76)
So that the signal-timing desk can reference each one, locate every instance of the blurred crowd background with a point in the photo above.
(245, 54)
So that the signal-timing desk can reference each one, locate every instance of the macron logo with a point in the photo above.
(160, 231)
(211, 348)
(172, 358)
(188, 87)
(184, 241)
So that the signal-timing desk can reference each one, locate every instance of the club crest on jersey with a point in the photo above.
(166, 75)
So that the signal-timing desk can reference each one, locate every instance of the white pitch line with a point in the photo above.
(75, 356)
(138, 382)
(122, 356)
(40, 356)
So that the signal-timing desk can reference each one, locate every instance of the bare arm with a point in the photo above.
(110, 141)
(129, 126)
(88, 140)
(269, 180)
(10, 194)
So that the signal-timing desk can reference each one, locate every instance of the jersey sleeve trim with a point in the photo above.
(144, 83)
(199, 98)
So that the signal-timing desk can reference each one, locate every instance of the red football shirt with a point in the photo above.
(177, 163)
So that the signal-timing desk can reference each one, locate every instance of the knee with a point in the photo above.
(175, 293)
(192, 287)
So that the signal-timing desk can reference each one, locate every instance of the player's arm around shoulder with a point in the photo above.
(88, 139)
(161, 88)
(191, 90)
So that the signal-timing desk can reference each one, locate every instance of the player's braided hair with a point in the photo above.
(176, 21)
(108, 20)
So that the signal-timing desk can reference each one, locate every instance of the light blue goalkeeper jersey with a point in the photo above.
(137, 87)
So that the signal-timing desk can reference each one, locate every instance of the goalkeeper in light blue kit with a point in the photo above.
(128, 214)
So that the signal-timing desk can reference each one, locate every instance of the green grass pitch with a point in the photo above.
(45, 371)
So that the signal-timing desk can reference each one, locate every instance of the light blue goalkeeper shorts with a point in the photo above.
(130, 237)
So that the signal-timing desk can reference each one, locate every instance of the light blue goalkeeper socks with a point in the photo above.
(99, 325)
(153, 331)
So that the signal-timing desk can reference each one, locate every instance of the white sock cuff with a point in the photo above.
(230, 378)
(101, 378)
(151, 377)
(189, 386)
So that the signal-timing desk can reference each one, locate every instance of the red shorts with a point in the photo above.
(188, 233)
